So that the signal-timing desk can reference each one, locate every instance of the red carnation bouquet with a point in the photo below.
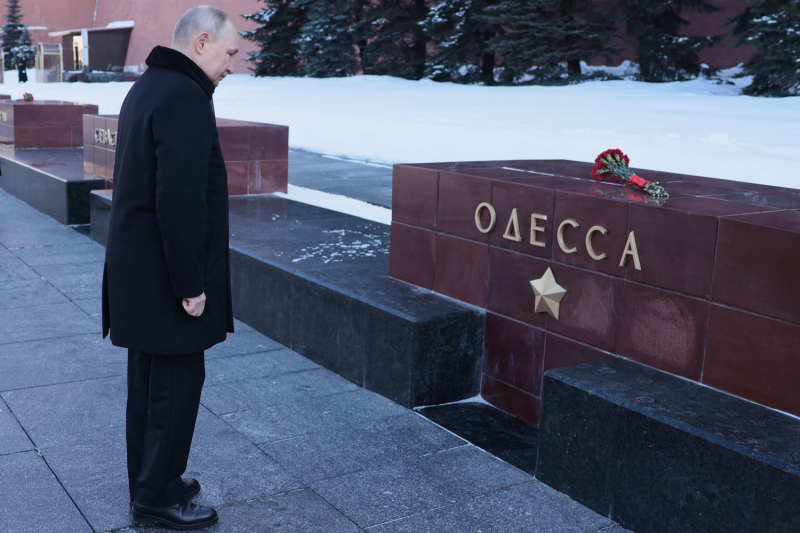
(613, 165)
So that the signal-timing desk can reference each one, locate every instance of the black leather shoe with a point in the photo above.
(190, 488)
(182, 516)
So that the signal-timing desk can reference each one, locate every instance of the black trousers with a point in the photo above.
(163, 399)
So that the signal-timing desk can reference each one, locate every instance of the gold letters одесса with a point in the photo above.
(513, 232)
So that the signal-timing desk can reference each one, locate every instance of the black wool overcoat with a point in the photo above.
(168, 230)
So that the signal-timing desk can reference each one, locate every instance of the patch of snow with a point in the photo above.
(703, 127)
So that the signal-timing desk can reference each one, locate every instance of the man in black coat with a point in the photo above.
(166, 281)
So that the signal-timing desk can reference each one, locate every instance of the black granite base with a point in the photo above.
(99, 211)
(317, 281)
(660, 454)
(51, 180)
(490, 429)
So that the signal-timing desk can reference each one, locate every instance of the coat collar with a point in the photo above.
(162, 56)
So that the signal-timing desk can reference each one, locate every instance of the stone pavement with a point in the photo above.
(362, 180)
(281, 444)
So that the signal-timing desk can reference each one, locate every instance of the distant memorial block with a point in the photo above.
(256, 155)
(43, 123)
(703, 285)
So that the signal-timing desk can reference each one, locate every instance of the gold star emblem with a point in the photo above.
(548, 294)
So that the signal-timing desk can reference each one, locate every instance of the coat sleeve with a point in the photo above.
(182, 131)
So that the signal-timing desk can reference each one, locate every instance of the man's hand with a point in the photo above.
(195, 306)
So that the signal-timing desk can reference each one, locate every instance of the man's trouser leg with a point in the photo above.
(163, 399)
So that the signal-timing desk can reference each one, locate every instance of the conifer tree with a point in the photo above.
(548, 39)
(15, 36)
(460, 34)
(661, 52)
(326, 42)
(773, 27)
(281, 21)
(391, 38)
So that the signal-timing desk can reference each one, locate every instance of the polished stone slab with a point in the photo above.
(503, 435)
(51, 180)
(90, 306)
(528, 508)
(37, 501)
(659, 454)
(417, 485)
(346, 450)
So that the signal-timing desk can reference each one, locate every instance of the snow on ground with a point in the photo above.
(695, 127)
(339, 203)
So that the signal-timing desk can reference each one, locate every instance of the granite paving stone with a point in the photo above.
(255, 366)
(350, 449)
(44, 322)
(39, 235)
(60, 360)
(61, 254)
(12, 437)
(69, 414)
(416, 485)
(36, 501)
(293, 512)
(14, 273)
(529, 508)
(90, 306)
(302, 415)
(76, 280)
(35, 291)
(4, 253)
(293, 388)
(242, 342)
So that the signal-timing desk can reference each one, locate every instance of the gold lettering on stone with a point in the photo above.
(102, 136)
(513, 224)
(589, 248)
(535, 228)
(560, 235)
(633, 251)
(492, 217)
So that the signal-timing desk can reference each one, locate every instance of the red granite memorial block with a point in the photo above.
(663, 329)
(758, 264)
(676, 249)
(459, 197)
(516, 205)
(415, 195)
(587, 211)
(43, 123)
(461, 267)
(267, 176)
(256, 155)
(561, 352)
(754, 357)
(509, 289)
(708, 290)
(416, 263)
(592, 307)
(511, 399)
(514, 353)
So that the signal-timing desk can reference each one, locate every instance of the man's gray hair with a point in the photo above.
(198, 19)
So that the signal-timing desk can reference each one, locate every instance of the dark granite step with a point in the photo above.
(661, 454)
(50, 179)
(490, 429)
